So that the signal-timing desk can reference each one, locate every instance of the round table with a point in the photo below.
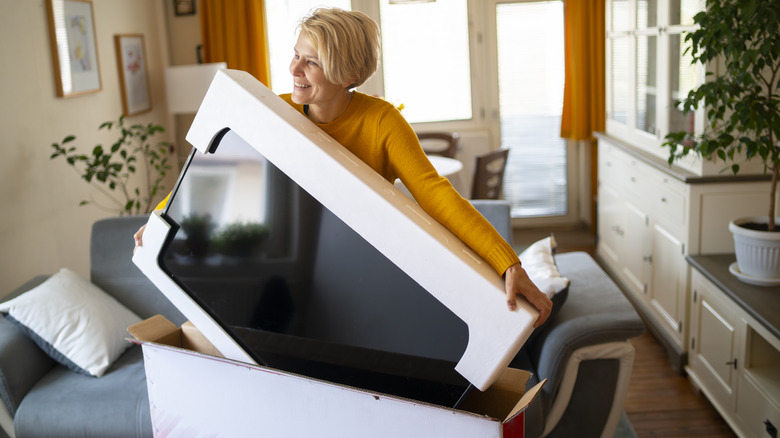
(449, 168)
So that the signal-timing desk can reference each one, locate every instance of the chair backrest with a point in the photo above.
(489, 174)
(440, 143)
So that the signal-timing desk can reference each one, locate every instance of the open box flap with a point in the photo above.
(156, 329)
(503, 399)
(159, 330)
(526, 400)
(193, 339)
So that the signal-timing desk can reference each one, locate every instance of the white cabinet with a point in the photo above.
(667, 294)
(734, 360)
(641, 217)
(712, 358)
(650, 217)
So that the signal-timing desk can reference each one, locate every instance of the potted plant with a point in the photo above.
(198, 229)
(742, 104)
(110, 169)
(240, 240)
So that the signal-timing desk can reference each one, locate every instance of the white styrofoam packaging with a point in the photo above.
(193, 392)
(393, 223)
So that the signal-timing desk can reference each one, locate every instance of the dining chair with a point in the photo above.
(489, 174)
(440, 143)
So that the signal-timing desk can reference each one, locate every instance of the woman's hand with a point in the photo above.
(138, 237)
(518, 283)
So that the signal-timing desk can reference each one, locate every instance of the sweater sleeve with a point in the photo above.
(439, 199)
(162, 203)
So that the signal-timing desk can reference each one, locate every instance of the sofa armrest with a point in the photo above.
(22, 363)
(595, 312)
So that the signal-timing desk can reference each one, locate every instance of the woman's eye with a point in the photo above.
(313, 64)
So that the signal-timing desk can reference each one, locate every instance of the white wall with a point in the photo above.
(42, 228)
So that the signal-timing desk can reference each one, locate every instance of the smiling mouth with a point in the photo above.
(302, 85)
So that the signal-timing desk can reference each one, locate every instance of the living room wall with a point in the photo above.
(42, 226)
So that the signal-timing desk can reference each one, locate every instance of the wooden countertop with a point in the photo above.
(760, 302)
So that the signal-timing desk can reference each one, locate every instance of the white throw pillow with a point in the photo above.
(539, 262)
(74, 321)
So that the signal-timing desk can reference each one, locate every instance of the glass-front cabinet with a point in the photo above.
(649, 70)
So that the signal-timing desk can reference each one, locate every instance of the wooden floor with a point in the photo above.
(660, 401)
(663, 403)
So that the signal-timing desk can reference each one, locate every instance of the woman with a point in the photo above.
(336, 52)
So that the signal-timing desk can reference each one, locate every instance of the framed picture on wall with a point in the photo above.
(133, 77)
(184, 7)
(73, 46)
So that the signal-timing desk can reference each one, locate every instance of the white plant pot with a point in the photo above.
(758, 253)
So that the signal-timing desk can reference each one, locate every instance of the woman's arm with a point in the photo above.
(439, 199)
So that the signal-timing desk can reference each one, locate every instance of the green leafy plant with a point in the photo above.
(198, 229)
(742, 102)
(240, 239)
(110, 169)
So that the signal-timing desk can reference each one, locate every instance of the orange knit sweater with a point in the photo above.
(376, 132)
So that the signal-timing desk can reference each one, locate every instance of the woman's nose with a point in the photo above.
(295, 67)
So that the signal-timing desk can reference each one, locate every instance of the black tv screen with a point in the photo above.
(298, 289)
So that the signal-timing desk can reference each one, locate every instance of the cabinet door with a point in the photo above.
(714, 344)
(609, 224)
(635, 255)
(667, 292)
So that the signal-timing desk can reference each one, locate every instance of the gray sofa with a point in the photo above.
(584, 352)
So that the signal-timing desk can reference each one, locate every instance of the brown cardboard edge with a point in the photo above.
(525, 400)
(193, 339)
(501, 398)
(156, 329)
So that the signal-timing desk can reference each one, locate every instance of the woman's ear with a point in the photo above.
(350, 85)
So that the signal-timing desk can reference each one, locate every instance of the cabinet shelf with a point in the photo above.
(767, 380)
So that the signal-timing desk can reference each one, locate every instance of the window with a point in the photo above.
(426, 62)
(530, 85)
(452, 65)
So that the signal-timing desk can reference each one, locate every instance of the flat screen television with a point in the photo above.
(276, 269)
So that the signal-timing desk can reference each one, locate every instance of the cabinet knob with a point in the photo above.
(732, 363)
(663, 200)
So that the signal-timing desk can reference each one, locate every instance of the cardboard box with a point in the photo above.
(193, 391)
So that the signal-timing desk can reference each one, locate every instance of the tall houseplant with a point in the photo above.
(742, 101)
(110, 169)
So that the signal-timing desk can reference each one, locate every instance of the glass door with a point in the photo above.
(530, 54)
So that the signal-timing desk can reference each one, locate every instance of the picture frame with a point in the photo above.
(74, 47)
(184, 7)
(133, 75)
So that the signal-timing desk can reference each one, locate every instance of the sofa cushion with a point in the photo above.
(538, 260)
(68, 404)
(74, 321)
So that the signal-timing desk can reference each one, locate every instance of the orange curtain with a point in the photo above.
(583, 93)
(234, 32)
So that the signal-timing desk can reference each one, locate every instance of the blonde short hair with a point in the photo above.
(347, 43)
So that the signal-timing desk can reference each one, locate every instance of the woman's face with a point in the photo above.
(310, 85)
